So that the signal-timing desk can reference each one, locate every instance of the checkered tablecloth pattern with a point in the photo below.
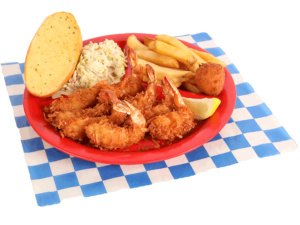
(252, 132)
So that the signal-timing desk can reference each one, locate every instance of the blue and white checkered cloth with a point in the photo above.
(252, 132)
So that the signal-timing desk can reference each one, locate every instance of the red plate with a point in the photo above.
(202, 133)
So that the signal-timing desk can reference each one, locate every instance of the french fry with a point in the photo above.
(192, 81)
(186, 57)
(194, 67)
(133, 42)
(192, 87)
(208, 57)
(175, 75)
(148, 40)
(182, 66)
(146, 79)
(171, 41)
(178, 84)
(177, 43)
(159, 59)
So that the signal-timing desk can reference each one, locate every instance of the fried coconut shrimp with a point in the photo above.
(130, 85)
(57, 118)
(141, 101)
(74, 127)
(107, 135)
(210, 78)
(79, 100)
(173, 124)
(163, 106)
(146, 99)
(116, 116)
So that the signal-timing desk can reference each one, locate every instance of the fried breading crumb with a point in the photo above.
(157, 145)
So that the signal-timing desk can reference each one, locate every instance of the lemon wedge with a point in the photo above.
(202, 108)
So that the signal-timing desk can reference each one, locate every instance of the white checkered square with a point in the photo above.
(131, 169)
(176, 161)
(250, 100)
(101, 164)
(187, 38)
(69, 193)
(285, 146)
(244, 154)
(36, 158)
(88, 176)
(6, 95)
(229, 130)
(216, 147)
(46, 145)
(207, 44)
(268, 122)
(61, 167)
(241, 114)
(17, 89)
(18, 110)
(203, 165)
(237, 78)
(43, 185)
(257, 138)
(27, 133)
(225, 59)
(12, 69)
(116, 184)
(160, 175)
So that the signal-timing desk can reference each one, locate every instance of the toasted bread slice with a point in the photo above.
(53, 54)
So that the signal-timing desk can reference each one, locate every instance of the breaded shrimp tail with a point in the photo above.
(172, 124)
(107, 135)
(130, 85)
(146, 99)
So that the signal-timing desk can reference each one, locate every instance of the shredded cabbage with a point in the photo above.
(103, 61)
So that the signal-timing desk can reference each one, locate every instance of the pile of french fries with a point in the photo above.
(170, 57)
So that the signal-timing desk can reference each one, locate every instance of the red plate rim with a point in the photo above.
(216, 122)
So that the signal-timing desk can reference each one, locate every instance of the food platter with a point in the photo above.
(201, 134)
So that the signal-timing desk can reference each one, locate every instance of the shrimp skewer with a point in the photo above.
(106, 135)
(173, 124)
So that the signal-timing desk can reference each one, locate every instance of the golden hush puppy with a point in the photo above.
(210, 78)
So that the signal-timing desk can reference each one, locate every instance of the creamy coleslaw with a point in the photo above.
(103, 61)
